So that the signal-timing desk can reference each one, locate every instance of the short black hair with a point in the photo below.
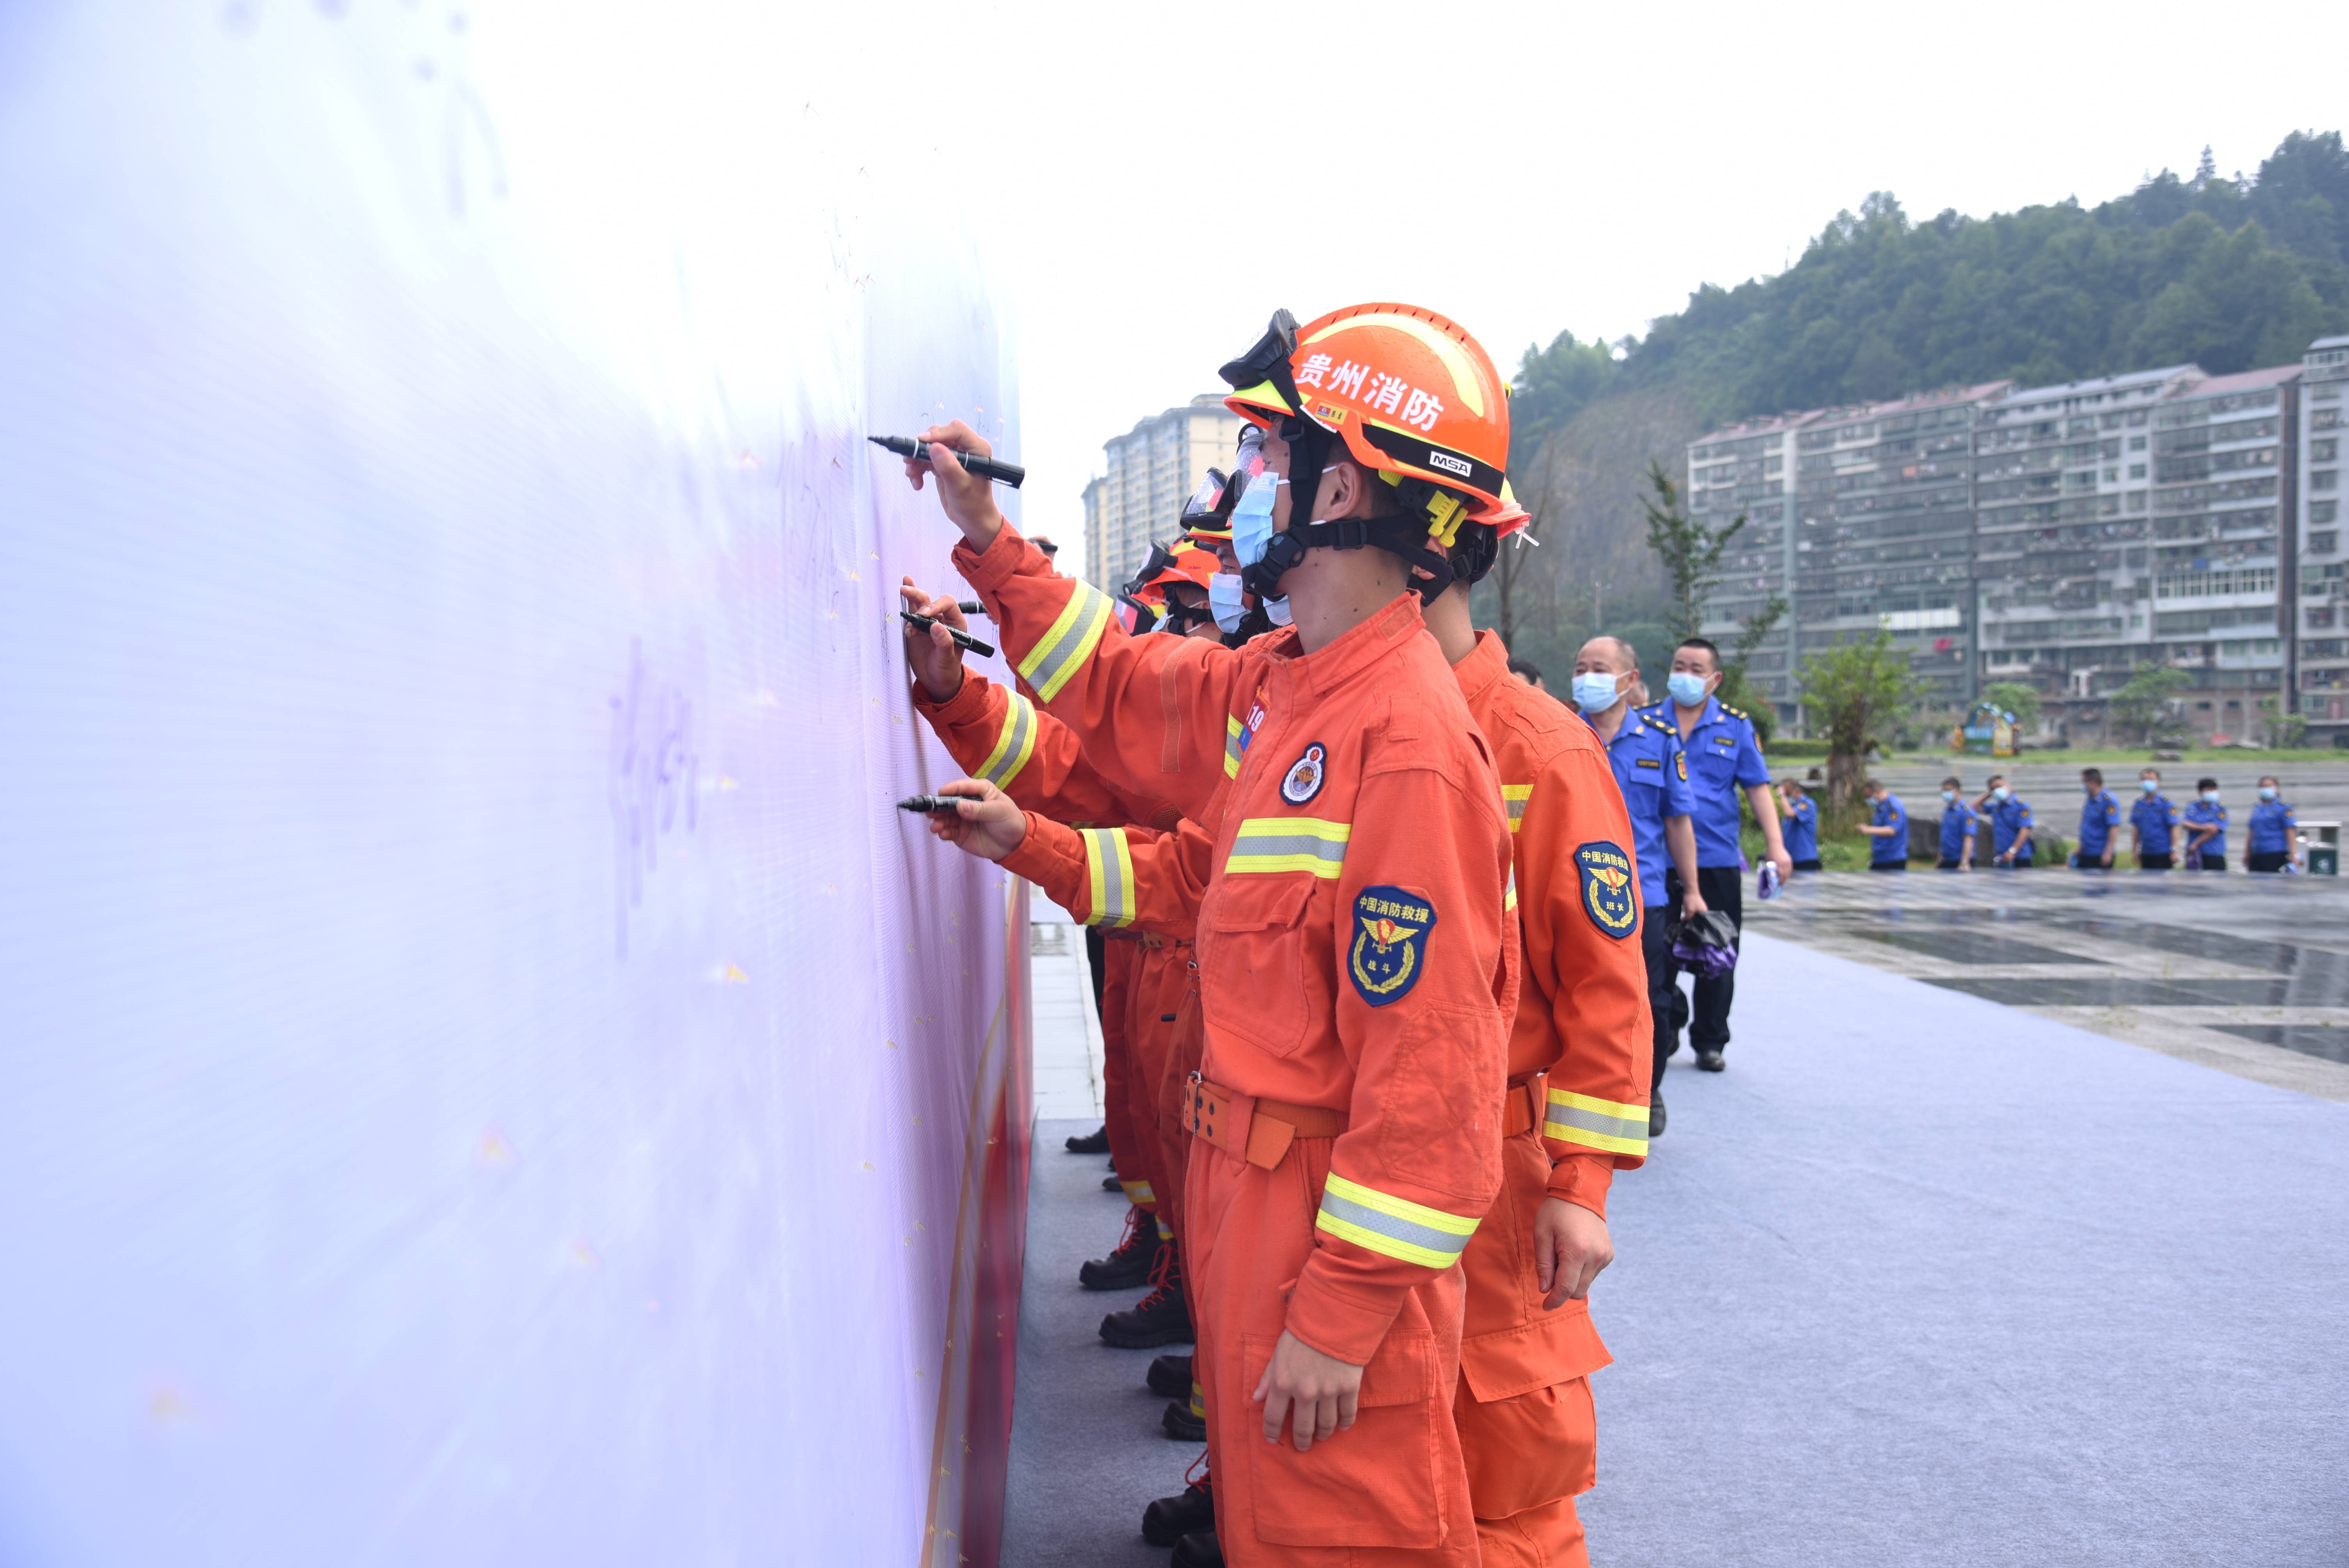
(2093, 775)
(1707, 644)
(1955, 782)
(2205, 783)
(1526, 668)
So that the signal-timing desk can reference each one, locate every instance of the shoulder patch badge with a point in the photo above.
(1389, 945)
(1680, 760)
(1610, 891)
(1305, 776)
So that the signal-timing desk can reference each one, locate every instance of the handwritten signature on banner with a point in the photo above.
(652, 772)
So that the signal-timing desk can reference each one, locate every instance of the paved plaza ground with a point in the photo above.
(2017, 1232)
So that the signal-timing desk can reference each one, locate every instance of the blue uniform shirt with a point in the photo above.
(1652, 772)
(1957, 821)
(1801, 831)
(2153, 817)
(2007, 818)
(2202, 814)
(2272, 828)
(2100, 818)
(1723, 761)
(1888, 813)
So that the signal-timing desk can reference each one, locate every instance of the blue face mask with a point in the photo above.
(1594, 693)
(1252, 519)
(2209, 797)
(2267, 792)
(2000, 793)
(1949, 797)
(1687, 690)
(2148, 785)
(1224, 600)
(1276, 611)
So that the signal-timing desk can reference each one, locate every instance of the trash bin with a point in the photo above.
(2323, 843)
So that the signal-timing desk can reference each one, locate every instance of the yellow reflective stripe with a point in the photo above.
(1596, 1123)
(1513, 795)
(1164, 1234)
(1014, 745)
(1290, 844)
(1395, 1226)
(1069, 642)
(1138, 1193)
(1109, 874)
(1232, 732)
(1509, 899)
(1198, 1399)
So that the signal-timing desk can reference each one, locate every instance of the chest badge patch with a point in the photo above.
(1390, 946)
(1609, 888)
(1304, 778)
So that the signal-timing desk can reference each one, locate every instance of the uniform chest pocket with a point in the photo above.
(1715, 763)
(1253, 961)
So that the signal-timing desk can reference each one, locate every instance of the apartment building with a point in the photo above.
(1152, 471)
(2320, 589)
(2062, 536)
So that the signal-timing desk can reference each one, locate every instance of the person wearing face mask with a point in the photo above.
(1354, 917)
(2009, 823)
(2205, 820)
(2100, 823)
(1644, 754)
(2153, 823)
(1887, 828)
(1724, 759)
(2274, 841)
(1798, 824)
(1956, 829)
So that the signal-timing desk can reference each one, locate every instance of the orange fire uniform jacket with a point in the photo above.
(1354, 951)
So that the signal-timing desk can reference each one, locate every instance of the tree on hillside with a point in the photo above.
(2148, 707)
(2016, 699)
(1689, 549)
(1858, 693)
(1552, 385)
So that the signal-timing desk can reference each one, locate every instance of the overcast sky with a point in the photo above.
(1148, 182)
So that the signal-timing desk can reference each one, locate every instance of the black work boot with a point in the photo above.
(1093, 1142)
(1162, 1318)
(1182, 1423)
(1169, 1518)
(1110, 1183)
(1656, 1113)
(1198, 1550)
(1129, 1266)
(1708, 1059)
(1170, 1378)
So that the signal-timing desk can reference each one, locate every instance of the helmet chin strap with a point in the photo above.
(1402, 536)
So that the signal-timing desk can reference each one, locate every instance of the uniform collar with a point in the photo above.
(1361, 648)
(1670, 712)
(1487, 662)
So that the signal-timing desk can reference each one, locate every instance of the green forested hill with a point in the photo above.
(2227, 274)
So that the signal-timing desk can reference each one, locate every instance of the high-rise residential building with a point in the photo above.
(1152, 471)
(2062, 537)
(2320, 589)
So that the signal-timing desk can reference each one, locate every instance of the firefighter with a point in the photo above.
(1354, 916)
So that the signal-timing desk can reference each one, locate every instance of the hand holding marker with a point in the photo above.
(994, 468)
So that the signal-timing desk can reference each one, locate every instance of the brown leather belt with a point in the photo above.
(1527, 1105)
(1258, 1131)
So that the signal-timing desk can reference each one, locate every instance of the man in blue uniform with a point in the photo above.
(1956, 829)
(2010, 823)
(1798, 824)
(2205, 828)
(1723, 760)
(1887, 828)
(2275, 836)
(1652, 772)
(2100, 822)
(2153, 823)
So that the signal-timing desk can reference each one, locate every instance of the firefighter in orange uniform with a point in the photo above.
(1577, 1070)
(1358, 967)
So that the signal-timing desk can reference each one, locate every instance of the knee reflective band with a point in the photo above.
(1109, 875)
(1597, 1123)
(1289, 844)
(1068, 643)
(1513, 796)
(1013, 746)
(1394, 1226)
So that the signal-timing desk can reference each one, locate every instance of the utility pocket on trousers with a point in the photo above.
(1252, 961)
(1527, 1449)
(1372, 1484)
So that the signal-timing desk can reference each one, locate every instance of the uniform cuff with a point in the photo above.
(1341, 1318)
(969, 702)
(1583, 1179)
(1004, 558)
(1043, 857)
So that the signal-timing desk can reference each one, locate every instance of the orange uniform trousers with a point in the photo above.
(1120, 959)
(1160, 982)
(1522, 1408)
(1389, 1492)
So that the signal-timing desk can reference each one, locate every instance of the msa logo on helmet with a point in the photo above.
(1449, 463)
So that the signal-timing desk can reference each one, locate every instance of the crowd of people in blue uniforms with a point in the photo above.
(2163, 835)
